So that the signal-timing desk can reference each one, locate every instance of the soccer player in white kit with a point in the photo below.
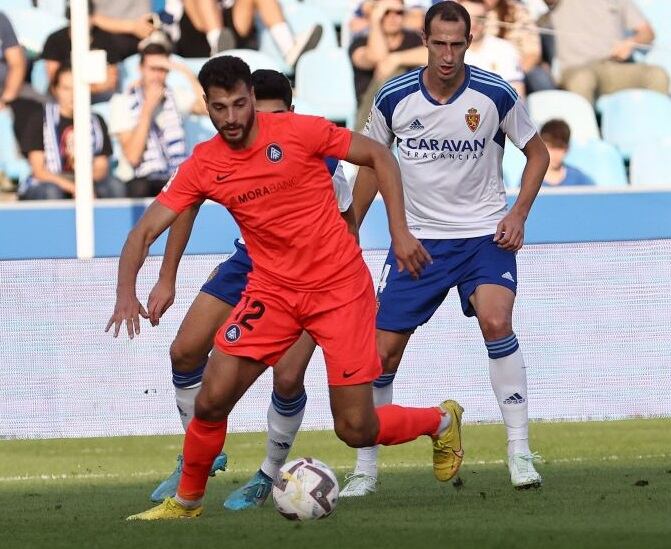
(449, 121)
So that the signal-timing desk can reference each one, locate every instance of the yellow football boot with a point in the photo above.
(168, 510)
(447, 450)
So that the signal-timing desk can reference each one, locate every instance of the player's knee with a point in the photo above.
(286, 385)
(391, 358)
(356, 432)
(496, 326)
(210, 406)
(184, 359)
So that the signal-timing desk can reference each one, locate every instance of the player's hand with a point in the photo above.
(510, 232)
(127, 309)
(161, 297)
(410, 254)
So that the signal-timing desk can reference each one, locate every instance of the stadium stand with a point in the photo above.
(650, 164)
(33, 26)
(300, 17)
(315, 73)
(571, 107)
(632, 117)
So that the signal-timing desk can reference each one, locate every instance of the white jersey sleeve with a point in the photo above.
(341, 187)
(517, 125)
(377, 127)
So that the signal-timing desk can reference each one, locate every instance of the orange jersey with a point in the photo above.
(281, 197)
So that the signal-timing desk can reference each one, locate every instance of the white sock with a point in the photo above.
(445, 422)
(282, 36)
(188, 503)
(366, 458)
(213, 38)
(282, 431)
(186, 403)
(508, 376)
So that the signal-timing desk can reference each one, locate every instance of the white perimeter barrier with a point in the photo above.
(593, 320)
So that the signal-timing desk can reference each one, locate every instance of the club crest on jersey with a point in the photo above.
(232, 333)
(274, 153)
(473, 119)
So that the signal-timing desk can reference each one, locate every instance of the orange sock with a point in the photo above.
(202, 443)
(399, 424)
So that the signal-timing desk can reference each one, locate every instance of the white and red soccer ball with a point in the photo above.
(305, 489)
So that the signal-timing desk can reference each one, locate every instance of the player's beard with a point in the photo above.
(246, 128)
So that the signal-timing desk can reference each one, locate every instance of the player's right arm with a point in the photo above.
(128, 308)
(162, 295)
(182, 191)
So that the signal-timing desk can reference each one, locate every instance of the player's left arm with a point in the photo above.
(510, 230)
(363, 151)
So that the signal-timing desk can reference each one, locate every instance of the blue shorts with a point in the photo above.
(405, 303)
(229, 278)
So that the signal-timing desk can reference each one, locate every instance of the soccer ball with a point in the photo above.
(305, 489)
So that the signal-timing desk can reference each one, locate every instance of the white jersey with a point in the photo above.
(450, 155)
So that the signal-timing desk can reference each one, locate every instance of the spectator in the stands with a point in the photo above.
(128, 21)
(556, 135)
(492, 53)
(15, 94)
(413, 17)
(147, 121)
(595, 41)
(58, 47)
(49, 144)
(385, 50)
(512, 21)
(210, 26)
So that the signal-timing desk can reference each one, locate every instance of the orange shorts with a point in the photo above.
(269, 319)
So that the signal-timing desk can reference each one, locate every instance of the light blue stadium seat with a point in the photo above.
(33, 26)
(660, 56)
(600, 160)
(197, 129)
(336, 10)
(300, 18)
(324, 78)
(10, 5)
(632, 117)
(39, 78)
(513, 165)
(12, 164)
(658, 13)
(650, 164)
(256, 59)
(571, 107)
(55, 7)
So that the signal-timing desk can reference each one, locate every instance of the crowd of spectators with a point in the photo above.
(559, 46)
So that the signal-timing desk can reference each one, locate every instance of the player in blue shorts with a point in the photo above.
(450, 121)
(211, 308)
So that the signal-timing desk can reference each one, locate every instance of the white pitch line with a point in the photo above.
(92, 476)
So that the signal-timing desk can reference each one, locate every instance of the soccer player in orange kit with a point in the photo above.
(307, 274)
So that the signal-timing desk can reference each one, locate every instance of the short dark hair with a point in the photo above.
(271, 84)
(556, 132)
(447, 11)
(224, 71)
(60, 71)
(153, 48)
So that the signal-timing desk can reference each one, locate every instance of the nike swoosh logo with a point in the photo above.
(221, 176)
(350, 374)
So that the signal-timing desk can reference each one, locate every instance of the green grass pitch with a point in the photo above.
(606, 484)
